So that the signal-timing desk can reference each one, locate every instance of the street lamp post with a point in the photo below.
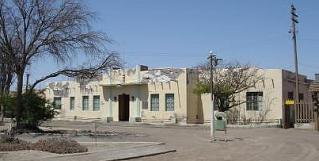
(213, 61)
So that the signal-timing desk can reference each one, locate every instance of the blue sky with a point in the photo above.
(179, 33)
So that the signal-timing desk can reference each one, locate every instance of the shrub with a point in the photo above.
(36, 109)
(53, 145)
(8, 143)
(7, 102)
(59, 145)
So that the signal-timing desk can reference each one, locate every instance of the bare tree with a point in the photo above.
(229, 80)
(56, 28)
(6, 79)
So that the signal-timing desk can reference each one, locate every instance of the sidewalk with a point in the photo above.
(118, 151)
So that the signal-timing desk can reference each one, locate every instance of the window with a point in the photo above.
(57, 102)
(85, 103)
(96, 103)
(290, 95)
(301, 98)
(169, 102)
(254, 101)
(154, 102)
(72, 103)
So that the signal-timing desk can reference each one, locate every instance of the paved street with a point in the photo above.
(192, 143)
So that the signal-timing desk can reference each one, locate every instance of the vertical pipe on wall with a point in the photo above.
(138, 111)
(110, 94)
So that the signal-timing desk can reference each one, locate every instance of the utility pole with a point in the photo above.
(294, 21)
(213, 61)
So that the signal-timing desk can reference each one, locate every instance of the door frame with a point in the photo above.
(124, 107)
(289, 116)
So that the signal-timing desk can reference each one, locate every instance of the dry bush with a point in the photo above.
(8, 143)
(53, 145)
(59, 145)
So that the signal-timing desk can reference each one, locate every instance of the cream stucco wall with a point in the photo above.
(74, 90)
(133, 85)
(275, 86)
(188, 106)
(138, 84)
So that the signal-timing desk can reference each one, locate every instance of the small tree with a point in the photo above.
(36, 109)
(229, 80)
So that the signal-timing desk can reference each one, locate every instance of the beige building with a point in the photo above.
(166, 95)
(266, 101)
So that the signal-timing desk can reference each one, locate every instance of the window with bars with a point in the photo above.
(169, 102)
(254, 101)
(290, 95)
(57, 102)
(301, 97)
(154, 102)
(85, 103)
(72, 100)
(96, 103)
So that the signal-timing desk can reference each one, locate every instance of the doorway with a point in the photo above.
(289, 116)
(124, 107)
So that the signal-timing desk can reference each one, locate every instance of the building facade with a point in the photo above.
(167, 95)
(266, 102)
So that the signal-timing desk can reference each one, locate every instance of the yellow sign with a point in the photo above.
(290, 102)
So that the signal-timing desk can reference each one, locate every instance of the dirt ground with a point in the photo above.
(192, 143)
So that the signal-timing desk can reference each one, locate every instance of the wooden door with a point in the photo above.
(124, 107)
(289, 116)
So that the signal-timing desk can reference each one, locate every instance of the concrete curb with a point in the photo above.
(147, 155)
(158, 146)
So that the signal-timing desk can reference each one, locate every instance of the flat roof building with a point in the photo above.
(167, 95)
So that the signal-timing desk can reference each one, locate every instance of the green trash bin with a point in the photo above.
(220, 125)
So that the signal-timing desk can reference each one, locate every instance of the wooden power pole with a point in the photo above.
(294, 21)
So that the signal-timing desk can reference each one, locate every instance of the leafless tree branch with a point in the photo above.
(83, 72)
(53, 28)
(229, 80)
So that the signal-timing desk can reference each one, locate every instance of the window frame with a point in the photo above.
(290, 95)
(72, 103)
(253, 103)
(87, 102)
(94, 103)
(56, 106)
(301, 97)
(154, 108)
(167, 95)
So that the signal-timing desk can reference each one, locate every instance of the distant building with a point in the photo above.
(166, 95)
(314, 86)
(314, 89)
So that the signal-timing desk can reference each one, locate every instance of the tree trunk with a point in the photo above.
(19, 100)
(2, 113)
